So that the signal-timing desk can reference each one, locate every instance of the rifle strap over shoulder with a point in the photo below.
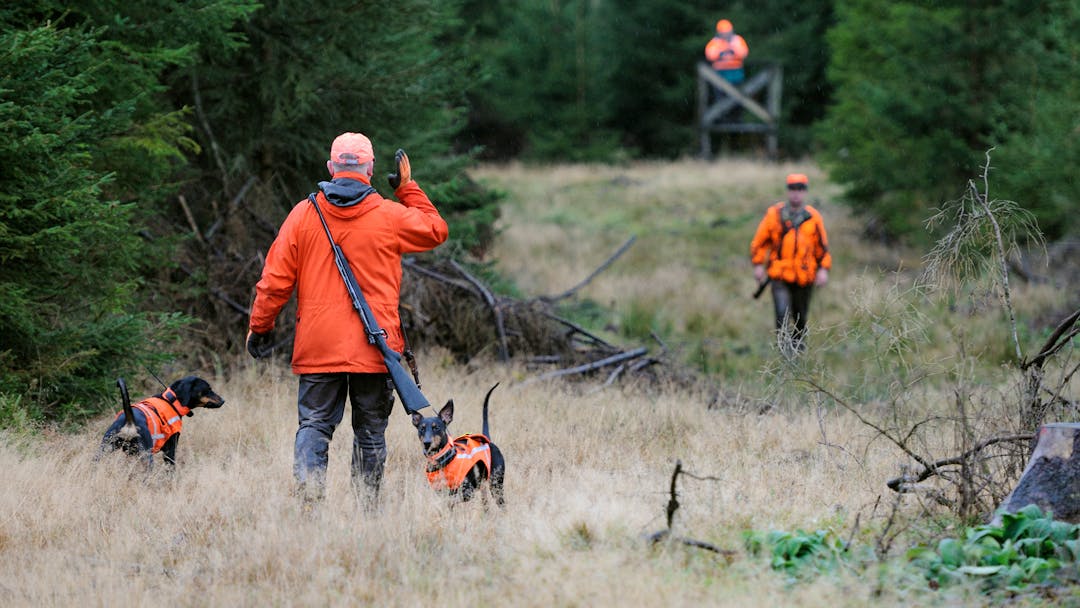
(408, 354)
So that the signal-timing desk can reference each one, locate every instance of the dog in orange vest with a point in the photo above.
(153, 425)
(462, 465)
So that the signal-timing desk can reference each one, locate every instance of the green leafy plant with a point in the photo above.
(798, 553)
(1027, 547)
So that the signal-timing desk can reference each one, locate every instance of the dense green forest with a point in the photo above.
(147, 145)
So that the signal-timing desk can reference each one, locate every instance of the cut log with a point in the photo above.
(1051, 479)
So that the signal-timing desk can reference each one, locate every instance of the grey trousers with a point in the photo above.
(321, 406)
(791, 303)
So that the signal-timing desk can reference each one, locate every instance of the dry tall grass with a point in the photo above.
(587, 478)
(588, 467)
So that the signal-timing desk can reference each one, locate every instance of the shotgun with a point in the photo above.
(411, 397)
(761, 288)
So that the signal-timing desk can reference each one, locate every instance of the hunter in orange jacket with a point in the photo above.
(792, 240)
(726, 52)
(791, 247)
(331, 352)
(373, 232)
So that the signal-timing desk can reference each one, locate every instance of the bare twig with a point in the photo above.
(233, 204)
(190, 218)
(897, 442)
(673, 506)
(581, 330)
(504, 349)
(569, 292)
(896, 484)
(1062, 334)
(411, 264)
(1002, 254)
(215, 149)
(580, 369)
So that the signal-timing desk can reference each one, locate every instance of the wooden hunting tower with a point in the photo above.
(719, 112)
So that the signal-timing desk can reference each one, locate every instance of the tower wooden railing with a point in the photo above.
(720, 116)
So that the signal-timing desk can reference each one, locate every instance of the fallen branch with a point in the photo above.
(672, 506)
(580, 369)
(190, 218)
(504, 349)
(1063, 333)
(581, 330)
(569, 292)
(411, 264)
(233, 204)
(931, 469)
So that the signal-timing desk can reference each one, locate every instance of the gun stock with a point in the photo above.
(761, 288)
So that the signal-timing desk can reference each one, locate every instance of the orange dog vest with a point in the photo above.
(164, 417)
(449, 467)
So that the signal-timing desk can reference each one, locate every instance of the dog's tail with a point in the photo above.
(129, 430)
(487, 398)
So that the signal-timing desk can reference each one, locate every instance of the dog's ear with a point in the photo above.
(446, 414)
(416, 418)
(193, 392)
(185, 390)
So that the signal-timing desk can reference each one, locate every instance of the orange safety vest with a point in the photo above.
(726, 55)
(164, 417)
(793, 247)
(449, 467)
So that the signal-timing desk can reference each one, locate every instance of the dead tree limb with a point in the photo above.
(581, 330)
(896, 441)
(1063, 333)
(500, 328)
(233, 204)
(897, 484)
(215, 149)
(190, 218)
(569, 292)
(580, 369)
(219, 294)
(411, 264)
(673, 506)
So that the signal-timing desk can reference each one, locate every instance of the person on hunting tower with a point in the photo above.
(791, 250)
(726, 52)
(331, 353)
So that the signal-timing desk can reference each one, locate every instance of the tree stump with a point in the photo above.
(1051, 479)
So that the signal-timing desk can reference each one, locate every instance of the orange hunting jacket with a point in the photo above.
(467, 451)
(793, 253)
(720, 60)
(164, 417)
(374, 234)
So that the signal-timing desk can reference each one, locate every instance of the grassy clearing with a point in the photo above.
(688, 276)
(588, 475)
(589, 467)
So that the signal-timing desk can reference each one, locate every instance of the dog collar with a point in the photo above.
(170, 397)
(444, 457)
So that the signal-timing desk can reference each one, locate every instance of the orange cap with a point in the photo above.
(724, 26)
(797, 178)
(351, 149)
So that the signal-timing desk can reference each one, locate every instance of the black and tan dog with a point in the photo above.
(153, 425)
(461, 465)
